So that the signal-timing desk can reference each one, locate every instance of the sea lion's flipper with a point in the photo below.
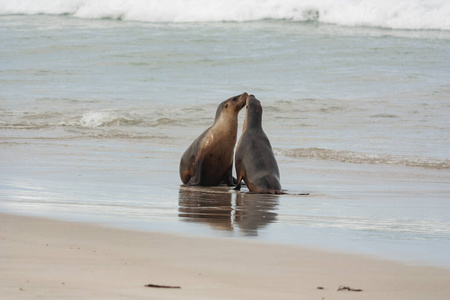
(196, 178)
(234, 181)
(228, 176)
(238, 184)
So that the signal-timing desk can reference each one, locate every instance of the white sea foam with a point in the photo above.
(98, 119)
(400, 14)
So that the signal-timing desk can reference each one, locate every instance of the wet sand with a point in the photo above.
(42, 258)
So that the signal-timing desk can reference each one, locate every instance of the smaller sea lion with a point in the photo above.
(255, 161)
(209, 159)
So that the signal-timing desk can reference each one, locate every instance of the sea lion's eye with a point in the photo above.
(226, 105)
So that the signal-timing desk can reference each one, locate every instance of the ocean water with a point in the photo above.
(98, 103)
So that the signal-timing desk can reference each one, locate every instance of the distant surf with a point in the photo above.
(401, 14)
(365, 158)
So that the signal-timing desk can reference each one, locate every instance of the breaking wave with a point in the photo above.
(364, 158)
(401, 14)
(88, 120)
(100, 119)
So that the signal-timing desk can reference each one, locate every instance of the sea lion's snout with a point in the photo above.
(242, 100)
(244, 96)
(251, 99)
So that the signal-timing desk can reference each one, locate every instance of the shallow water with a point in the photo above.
(95, 115)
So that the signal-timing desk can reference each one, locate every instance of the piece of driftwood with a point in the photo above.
(162, 286)
(347, 288)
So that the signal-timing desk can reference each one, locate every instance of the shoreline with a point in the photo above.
(68, 260)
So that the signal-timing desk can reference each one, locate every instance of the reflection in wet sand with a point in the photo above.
(225, 209)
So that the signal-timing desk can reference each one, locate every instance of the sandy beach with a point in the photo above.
(49, 259)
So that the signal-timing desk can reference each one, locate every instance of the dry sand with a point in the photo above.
(48, 259)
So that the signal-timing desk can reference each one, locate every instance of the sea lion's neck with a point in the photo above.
(253, 119)
(226, 122)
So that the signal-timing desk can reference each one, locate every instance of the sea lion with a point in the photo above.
(209, 159)
(255, 161)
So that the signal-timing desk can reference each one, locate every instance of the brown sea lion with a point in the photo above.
(255, 161)
(209, 159)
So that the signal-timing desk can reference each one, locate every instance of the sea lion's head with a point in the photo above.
(231, 106)
(254, 105)
(253, 112)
